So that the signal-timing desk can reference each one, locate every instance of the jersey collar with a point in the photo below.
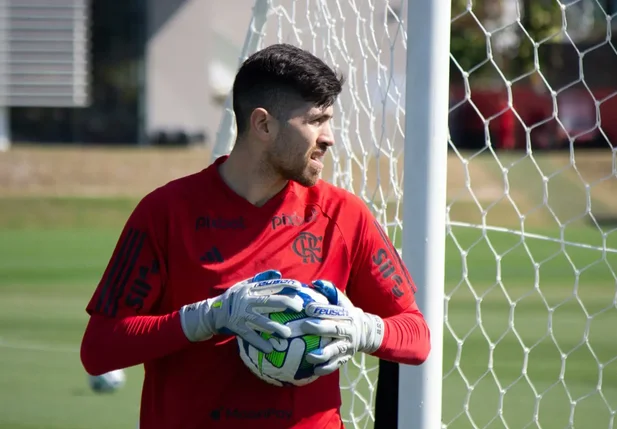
(272, 205)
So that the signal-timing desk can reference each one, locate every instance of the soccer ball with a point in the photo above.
(286, 364)
(108, 382)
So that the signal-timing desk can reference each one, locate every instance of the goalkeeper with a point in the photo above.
(192, 267)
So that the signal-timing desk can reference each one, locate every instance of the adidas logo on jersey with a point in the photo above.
(212, 255)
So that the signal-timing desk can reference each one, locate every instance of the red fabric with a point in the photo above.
(406, 338)
(112, 343)
(192, 239)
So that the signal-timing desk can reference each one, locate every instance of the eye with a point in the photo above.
(320, 120)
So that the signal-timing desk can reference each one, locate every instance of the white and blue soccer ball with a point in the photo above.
(286, 364)
(108, 382)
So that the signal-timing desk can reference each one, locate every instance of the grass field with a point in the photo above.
(535, 349)
(47, 275)
(46, 278)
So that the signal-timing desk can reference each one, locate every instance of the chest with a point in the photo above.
(221, 249)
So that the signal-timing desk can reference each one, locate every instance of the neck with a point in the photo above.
(249, 178)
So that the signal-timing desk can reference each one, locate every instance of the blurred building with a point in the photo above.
(159, 71)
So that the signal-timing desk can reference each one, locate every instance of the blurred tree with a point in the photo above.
(468, 41)
(543, 21)
(506, 29)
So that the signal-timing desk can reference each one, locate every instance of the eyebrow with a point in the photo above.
(320, 115)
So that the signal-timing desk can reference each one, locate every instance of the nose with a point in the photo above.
(326, 136)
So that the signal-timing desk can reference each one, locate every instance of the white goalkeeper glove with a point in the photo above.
(239, 310)
(352, 329)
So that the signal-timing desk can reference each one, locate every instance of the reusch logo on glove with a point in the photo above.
(277, 282)
(328, 311)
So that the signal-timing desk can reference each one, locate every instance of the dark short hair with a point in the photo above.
(278, 75)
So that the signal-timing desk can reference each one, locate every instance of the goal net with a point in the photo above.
(530, 324)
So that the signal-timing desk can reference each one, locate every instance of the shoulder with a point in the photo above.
(158, 201)
(183, 186)
(335, 201)
(348, 212)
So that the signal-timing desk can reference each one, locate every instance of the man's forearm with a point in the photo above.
(406, 339)
(110, 344)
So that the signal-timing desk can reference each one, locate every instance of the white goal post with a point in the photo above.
(424, 201)
(514, 251)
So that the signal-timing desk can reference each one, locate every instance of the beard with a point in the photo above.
(290, 164)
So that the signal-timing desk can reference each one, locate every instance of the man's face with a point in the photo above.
(300, 145)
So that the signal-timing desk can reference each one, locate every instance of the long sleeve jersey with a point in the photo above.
(195, 237)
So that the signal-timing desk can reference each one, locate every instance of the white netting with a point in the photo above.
(530, 306)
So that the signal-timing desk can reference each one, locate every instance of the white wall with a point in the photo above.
(187, 40)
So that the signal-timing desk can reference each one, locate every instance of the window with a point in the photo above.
(116, 67)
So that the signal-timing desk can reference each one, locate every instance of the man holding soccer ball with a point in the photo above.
(207, 257)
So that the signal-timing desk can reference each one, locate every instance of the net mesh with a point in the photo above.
(530, 304)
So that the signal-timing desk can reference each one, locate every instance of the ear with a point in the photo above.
(263, 125)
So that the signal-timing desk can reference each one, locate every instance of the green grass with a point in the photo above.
(539, 343)
(46, 279)
(522, 348)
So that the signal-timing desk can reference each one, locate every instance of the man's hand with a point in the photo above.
(353, 330)
(240, 310)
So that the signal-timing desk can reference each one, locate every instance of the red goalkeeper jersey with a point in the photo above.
(193, 238)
